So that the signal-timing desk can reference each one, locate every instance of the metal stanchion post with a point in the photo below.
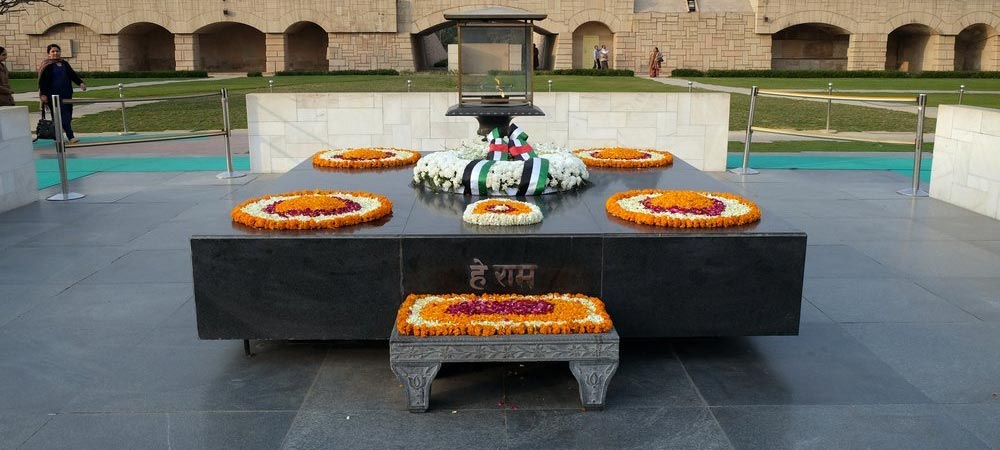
(409, 85)
(270, 85)
(550, 85)
(61, 154)
(829, 105)
(918, 147)
(961, 93)
(690, 86)
(229, 173)
(121, 95)
(745, 169)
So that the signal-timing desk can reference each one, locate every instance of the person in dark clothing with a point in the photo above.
(56, 77)
(534, 50)
(6, 94)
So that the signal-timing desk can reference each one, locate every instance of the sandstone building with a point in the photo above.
(273, 35)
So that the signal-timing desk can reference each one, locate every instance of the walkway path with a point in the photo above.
(83, 110)
(681, 82)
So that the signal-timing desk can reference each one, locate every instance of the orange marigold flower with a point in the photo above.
(491, 314)
(305, 210)
(365, 158)
(674, 208)
(620, 157)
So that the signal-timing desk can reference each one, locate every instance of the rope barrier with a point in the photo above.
(917, 142)
(832, 137)
(62, 145)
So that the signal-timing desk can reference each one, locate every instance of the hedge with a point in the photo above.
(589, 72)
(828, 74)
(338, 72)
(126, 74)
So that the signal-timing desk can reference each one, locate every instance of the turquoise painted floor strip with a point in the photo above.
(48, 143)
(902, 165)
(48, 169)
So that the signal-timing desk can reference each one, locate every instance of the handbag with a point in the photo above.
(45, 129)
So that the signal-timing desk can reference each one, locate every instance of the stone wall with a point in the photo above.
(18, 180)
(966, 170)
(286, 129)
(697, 40)
(369, 34)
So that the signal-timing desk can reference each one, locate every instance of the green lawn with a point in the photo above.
(204, 113)
(31, 84)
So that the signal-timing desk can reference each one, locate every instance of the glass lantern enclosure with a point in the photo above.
(495, 63)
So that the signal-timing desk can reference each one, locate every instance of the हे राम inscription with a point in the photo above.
(506, 275)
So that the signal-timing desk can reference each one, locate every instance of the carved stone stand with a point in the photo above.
(593, 359)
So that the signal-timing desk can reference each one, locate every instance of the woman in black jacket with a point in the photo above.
(55, 77)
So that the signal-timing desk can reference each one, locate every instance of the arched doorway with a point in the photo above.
(585, 37)
(431, 46)
(906, 49)
(145, 46)
(230, 47)
(305, 47)
(976, 48)
(810, 46)
(434, 48)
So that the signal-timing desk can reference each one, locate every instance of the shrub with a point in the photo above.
(337, 72)
(254, 74)
(589, 72)
(829, 74)
(126, 74)
(686, 73)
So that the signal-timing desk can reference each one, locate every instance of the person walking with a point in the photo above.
(604, 57)
(6, 93)
(597, 57)
(655, 61)
(56, 77)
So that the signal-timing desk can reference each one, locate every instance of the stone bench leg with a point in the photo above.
(417, 379)
(593, 378)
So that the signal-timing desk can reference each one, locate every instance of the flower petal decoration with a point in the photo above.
(365, 158)
(682, 209)
(306, 210)
(622, 157)
(443, 171)
(502, 212)
(492, 314)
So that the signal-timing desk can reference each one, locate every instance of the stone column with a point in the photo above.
(563, 52)
(867, 52)
(334, 55)
(186, 55)
(940, 53)
(275, 49)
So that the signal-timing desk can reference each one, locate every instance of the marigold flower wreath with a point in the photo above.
(682, 209)
(490, 314)
(502, 212)
(365, 158)
(304, 210)
(624, 157)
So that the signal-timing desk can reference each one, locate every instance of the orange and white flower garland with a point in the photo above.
(305, 210)
(683, 209)
(365, 158)
(624, 157)
(502, 212)
(490, 314)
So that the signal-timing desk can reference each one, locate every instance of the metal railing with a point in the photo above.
(62, 145)
(918, 141)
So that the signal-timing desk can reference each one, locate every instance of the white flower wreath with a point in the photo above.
(531, 214)
(442, 171)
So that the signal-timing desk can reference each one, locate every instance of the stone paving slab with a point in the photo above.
(898, 344)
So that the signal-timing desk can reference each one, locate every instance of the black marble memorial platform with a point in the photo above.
(346, 284)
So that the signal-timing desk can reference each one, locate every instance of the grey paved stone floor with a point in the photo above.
(899, 344)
